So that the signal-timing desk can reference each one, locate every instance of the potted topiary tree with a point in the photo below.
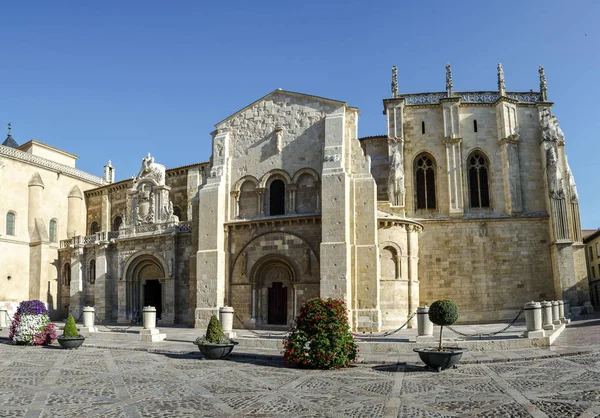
(214, 345)
(70, 338)
(442, 313)
(321, 337)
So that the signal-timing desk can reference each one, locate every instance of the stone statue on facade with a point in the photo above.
(306, 267)
(150, 169)
(555, 181)
(572, 186)
(396, 188)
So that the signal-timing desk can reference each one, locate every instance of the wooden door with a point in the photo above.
(278, 304)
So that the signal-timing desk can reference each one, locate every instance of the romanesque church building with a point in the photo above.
(467, 196)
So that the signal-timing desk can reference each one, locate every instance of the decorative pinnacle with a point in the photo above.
(448, 79)
(501, 85)
(10, 125)
(394, 81)
(543, 85)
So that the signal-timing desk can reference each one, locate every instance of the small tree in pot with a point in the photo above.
(214, 345)
(443, 312)
(70, 337)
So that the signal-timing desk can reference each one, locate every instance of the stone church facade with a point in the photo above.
(468, 196)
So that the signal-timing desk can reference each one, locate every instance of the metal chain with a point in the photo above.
(113, 329)
(269, 334)
(387, 333)
(9, 318)
(488, 334)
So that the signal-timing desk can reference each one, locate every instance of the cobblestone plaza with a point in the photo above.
(123, 383)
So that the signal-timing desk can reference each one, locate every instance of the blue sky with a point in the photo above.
(116, 80)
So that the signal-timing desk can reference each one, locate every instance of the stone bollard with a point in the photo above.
(424, 325)
(547, 316)
(226, 319)
(3, 317)
(149, 317)
(88, 319)
(567, 311)
(150, 333)
(555, 313)
(561, 311)
(533, 319)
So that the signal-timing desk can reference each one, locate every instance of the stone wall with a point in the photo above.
(489, 268)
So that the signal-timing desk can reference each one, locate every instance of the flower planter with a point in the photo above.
(70, 342)
(216, 351)
(440, 360)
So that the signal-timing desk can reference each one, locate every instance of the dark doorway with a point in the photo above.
(277, 198)
(278, 304)
(153, 296)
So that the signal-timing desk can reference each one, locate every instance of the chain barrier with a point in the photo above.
(258, 334)
(387, 333)
(10, 321)
(134, 321)
(487, 334)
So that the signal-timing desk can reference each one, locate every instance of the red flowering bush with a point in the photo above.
(321, 337)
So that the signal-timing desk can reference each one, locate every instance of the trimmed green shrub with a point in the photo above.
(321, 336)
(214, 333)
(443, 312)
(70, 330)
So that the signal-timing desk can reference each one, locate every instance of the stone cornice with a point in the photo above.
(274, 221)
(15, 154)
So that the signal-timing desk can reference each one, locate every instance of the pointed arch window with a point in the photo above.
(52, 230)
(425, 182)
(277, 198)
(94, 228)
(10, 223)
(478, 180)
(117, 223)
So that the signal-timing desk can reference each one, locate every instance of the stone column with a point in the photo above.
(235, 204)
(105, 221)
(292, 188)
(555, 313)
(74, 215)
(533, 319)
(547, 316)
(261, 200)
(226, 319)
(425, 326)
(76, 288)
(413, 232)
(88, 319)
(508, 140)
(452, 141)
(100, 286)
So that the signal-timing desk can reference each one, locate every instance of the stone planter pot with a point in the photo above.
(440, 360)
(70, 342)
(216, 351)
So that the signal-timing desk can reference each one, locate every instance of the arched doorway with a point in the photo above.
(273, 281)
(144, 286)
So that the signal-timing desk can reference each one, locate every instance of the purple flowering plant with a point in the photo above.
(31, 324)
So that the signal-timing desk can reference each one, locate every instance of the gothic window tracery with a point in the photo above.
(10, 223)
(478, 180)
(425, 182)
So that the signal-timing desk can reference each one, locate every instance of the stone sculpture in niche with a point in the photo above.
(306, 267)
(396, 188)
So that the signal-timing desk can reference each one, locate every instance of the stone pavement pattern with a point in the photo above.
(47, 381)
